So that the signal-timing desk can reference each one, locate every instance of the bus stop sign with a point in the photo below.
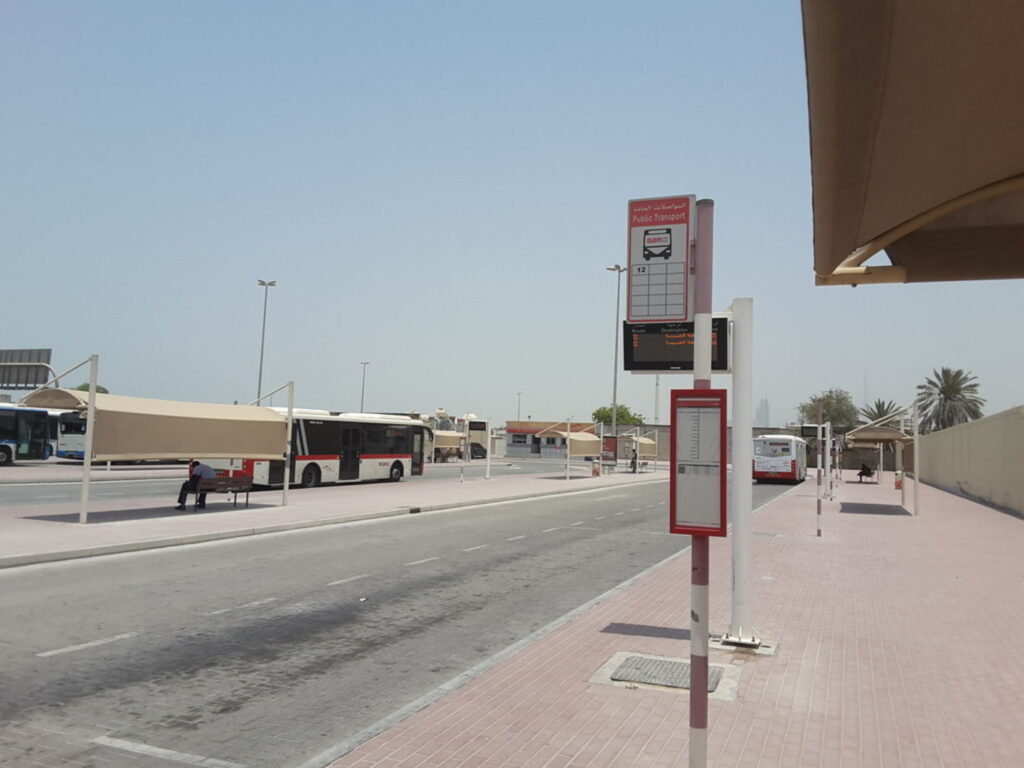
(697, 497)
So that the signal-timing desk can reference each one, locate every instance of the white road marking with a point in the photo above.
(166, 754)
(425, 560)
(478, 546)
(599, 518)
(549, 530)
(578, 522)
(619, 513)
(635, 509)
(92, 644)
(346, 581)
(254, 603)
(515, 538)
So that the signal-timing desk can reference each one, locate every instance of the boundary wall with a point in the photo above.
(982, 459)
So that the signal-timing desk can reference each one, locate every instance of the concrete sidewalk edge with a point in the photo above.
(14, 561)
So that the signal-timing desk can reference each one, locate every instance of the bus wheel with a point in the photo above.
(396, 472)
(5, 456)
(310, 476)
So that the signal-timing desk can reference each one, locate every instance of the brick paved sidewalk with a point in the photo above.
(894, 643)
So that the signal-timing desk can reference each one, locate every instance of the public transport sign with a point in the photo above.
(659, 285)
(697, 498)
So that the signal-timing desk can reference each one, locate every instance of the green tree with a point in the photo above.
(836, 406)
(947, 398)
(623, 415)
(84, 387)
(877, 410)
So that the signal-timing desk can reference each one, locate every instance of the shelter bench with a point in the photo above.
(865, 472)
(643, 466)
(235, 485)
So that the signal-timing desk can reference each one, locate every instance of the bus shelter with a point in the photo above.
(880, 436)
(642, 447)
(138, 428)
(449, 443)
(578, 444)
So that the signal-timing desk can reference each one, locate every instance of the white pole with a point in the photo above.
(819, 462)
(490, 449)
(568, 446)
(828, 460)
(90, 431)
(917, 459)
(741, 501)
(288, 445)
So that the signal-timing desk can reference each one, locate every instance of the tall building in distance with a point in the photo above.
(763, 416)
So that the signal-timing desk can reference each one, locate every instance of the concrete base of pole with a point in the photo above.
(740, 642)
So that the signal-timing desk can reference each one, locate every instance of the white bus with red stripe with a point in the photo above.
(332, 447)
(780, 457)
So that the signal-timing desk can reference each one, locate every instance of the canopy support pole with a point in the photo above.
(90, 431)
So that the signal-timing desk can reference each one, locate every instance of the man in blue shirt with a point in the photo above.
(197, 471)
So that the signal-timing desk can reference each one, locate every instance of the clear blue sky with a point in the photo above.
(436, 188)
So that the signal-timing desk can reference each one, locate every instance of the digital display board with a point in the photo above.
(659, 347)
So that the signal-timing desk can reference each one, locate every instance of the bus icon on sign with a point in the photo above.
(657, 243)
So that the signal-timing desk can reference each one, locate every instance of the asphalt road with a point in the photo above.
(268, 650)
(29, 493)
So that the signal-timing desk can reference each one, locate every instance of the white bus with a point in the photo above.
(332, 447)
(780, 457)
(71, 435)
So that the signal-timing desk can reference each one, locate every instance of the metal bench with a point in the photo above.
(235, 485)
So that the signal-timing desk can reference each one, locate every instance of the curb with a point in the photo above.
(14, 561)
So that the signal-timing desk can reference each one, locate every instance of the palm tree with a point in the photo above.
(877, 410)
(948, 399)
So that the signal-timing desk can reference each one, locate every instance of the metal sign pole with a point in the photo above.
(701, 550)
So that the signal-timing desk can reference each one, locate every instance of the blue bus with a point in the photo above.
(24, 433)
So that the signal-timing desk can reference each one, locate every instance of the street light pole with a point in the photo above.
(519, 406)
(618, 270)
(362, 395)
(263, 334)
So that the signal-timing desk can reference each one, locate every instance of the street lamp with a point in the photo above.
(618, 270)
(267, 284)
(362, 395)
(519, 405)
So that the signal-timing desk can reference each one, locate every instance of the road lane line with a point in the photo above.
(549, 530)
(478, 546)
(635, 509)
(166, 754)
(515, 538)
(600, 518)
(425, 560)
(578, 522)
(254, 603)
(91, 644)
(350, 578)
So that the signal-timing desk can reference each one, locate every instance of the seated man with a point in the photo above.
(865, 471)
(197, 471)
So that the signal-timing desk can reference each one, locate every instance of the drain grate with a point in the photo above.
(672, 674)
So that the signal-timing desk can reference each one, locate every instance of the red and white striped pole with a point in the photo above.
(700, 557)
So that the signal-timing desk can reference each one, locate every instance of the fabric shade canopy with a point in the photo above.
(580, 443)
(868, 435)
(644, 445)
(130, 428)
(447, 439)
(916, 119)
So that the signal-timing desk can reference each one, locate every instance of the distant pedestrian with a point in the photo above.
(632, 462)
(196, 471)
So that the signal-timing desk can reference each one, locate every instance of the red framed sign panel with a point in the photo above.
(697, 497)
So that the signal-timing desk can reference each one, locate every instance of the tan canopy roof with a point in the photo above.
(448, 439)
(580, 443)
(644, 445)
(141, 428)
(868, 434)
(916, 119)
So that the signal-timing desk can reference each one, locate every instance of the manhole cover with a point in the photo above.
(672, 674)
